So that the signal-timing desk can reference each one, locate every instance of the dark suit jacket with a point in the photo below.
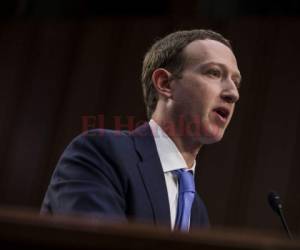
(115, 175)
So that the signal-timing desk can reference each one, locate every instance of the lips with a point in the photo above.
(222, 112)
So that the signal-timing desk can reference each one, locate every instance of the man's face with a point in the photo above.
(207, 90)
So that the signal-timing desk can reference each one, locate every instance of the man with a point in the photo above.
(190, 82)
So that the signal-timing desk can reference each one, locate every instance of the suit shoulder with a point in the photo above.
(103, 137)
(109, 143)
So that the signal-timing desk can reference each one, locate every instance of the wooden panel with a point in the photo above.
(19, 229)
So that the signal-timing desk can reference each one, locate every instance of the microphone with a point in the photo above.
(276, 205)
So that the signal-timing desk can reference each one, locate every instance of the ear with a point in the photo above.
(161, 79)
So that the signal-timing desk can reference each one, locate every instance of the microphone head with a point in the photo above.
(274, 201)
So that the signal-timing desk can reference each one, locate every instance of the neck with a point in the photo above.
(188, 151)
(187, 145)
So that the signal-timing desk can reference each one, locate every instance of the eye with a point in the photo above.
(214, 72)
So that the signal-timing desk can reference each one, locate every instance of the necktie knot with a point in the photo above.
(185, 180)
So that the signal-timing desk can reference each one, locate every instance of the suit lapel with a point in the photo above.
(199, 217)
(152, 174)
(196, 213)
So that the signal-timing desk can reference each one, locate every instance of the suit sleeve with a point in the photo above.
(86, 181)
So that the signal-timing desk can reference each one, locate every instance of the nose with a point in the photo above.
(230, 93)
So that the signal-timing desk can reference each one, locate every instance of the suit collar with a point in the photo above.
(152, 174)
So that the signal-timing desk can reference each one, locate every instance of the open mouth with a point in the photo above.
(222, 112)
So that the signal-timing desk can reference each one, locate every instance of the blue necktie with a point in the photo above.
(186, 194)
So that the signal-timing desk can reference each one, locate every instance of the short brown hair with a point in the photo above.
(167, 53)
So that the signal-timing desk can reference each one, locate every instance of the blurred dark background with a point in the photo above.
(65, 61)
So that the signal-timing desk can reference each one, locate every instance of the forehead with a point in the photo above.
(209, 51)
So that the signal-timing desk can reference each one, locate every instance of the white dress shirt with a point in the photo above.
(171, 159)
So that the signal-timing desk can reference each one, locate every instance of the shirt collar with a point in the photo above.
(169, 155)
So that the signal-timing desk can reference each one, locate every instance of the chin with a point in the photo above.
(210, 140)
(211, 136)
